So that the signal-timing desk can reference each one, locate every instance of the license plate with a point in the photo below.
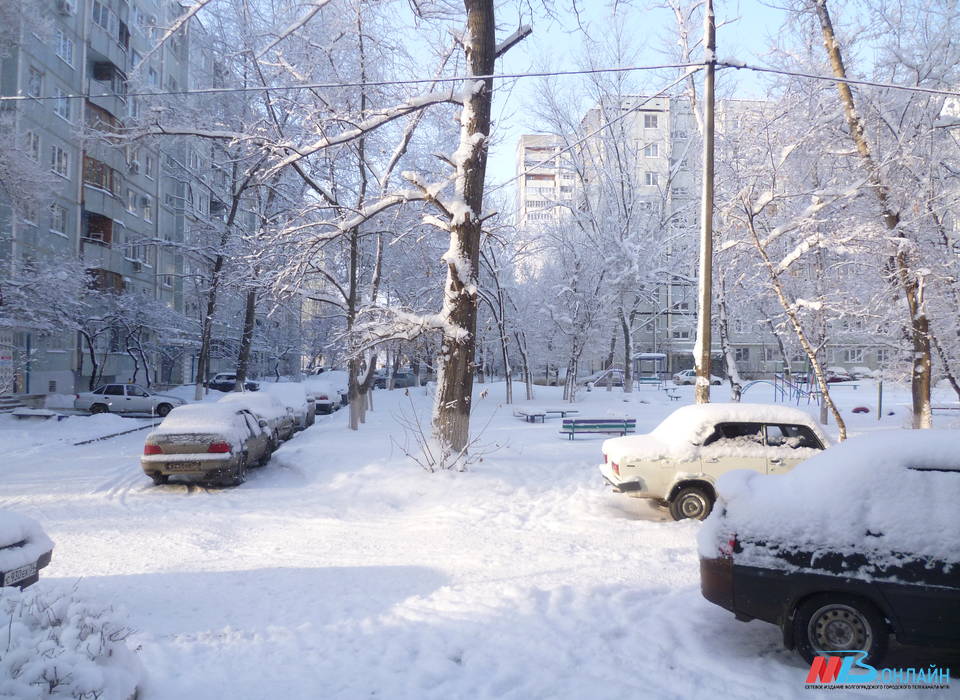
(18, 575)
(184, 467)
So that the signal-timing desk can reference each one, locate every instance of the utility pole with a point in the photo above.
(705, 295)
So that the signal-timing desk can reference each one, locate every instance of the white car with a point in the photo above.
(678, 463)
(293, 395)
(125, 398)
(689, 376)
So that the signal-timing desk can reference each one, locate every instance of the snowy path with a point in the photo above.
(340, 570)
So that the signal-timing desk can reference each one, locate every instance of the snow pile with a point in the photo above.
(260, 403)
(64, 647)
(73, 429)
(202, 419)
(15, 528)
(887, 495)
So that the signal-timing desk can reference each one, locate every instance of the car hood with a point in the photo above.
(645, 447)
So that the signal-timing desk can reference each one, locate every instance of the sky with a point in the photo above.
(746, 29)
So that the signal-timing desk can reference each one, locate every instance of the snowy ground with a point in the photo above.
(341, 570)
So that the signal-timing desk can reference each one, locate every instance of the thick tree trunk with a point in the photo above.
(451, 414)
(246, 339)
(625, 327)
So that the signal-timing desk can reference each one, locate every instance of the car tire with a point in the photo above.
(831, 622)
(691, 502)
(163, 409)
(160, 479)
(239, 474)
(99, 408)
(267, 454)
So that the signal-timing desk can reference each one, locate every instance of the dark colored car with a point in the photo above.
(227, 381)
(876, 554)
(24, 550)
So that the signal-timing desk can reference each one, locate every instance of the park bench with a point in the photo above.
(945, 407)
(617, 426)
(655, 381)
(23, 413)
(672, 394)
(562, 412)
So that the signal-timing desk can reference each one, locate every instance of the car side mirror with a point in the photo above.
(263, 423)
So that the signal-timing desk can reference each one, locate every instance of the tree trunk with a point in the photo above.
(246, 339)
(625, 325)
(451, 413)
(521, 339)
(909, 282)
(723, 326)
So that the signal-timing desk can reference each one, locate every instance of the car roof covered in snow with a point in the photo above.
(200, 418)
(693, 424)
(263, 404)
(288, 393)
(894, 491)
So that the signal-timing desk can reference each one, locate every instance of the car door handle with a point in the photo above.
(711, 459)
(776, 460)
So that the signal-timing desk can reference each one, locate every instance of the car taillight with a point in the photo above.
(219, 447)
(615, 467)
(729, 547)
(152, 450)
(604, 457)
(323, 397)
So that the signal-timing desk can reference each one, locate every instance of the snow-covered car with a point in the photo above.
(689, 376)
(858, 543)
(125, 398)
(227, 381)
(293, 396)
(207, 442)
(678, 463)
(280, 418)
(837, 374)
(24, 549)
(613, 376)
(329, 390)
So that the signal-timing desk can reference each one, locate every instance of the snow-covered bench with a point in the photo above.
(530, 415)
(35, 413)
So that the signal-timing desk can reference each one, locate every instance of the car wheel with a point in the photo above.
(98, 408)
(239, 474)
(691, 502)
(163, 409)
(267, 454)
(832, 622)
(159, 479)
(717, 383)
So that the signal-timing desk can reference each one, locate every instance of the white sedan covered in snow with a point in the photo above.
(689, 376)
(125, 398)
(679, 462)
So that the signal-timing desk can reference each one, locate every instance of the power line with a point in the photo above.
(377, 83)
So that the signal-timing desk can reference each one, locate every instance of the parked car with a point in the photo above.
(678, 463)
(380, 378)
(294, 397)
(403, 379)
(689, 376)
(615, 377)
(855, 545)
(207, 442)
(279, 417)
(125, 398)
(329, 391)
(24, 550)
(837, 374)
(227, 381)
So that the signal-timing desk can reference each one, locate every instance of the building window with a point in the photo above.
(64, 47)
(146, 203)
(851, 355)
(97, 227)
(148, 166)
(28, 212)
(32, 143)
(738, 326)
(153, 78)
(651, 150)
(106, 281)
(131, 201)
(741, 354)
(651, 121)
(58, 219)
(650, 179)
(681, 333)
(34, 82)
(166, 281)
(60, 161)
(769, 355)
(883, 355)
(61, 105)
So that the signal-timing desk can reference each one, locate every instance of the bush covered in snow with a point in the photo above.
(59, 645)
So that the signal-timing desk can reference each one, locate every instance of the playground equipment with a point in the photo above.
(787, 391)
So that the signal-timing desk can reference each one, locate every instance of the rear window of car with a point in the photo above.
(735, 432)
(795, 436)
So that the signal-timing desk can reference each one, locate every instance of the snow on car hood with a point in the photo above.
(19, 528)
(646, 447)
(880, 493)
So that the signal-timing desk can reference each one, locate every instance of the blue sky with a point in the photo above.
(746, 31)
